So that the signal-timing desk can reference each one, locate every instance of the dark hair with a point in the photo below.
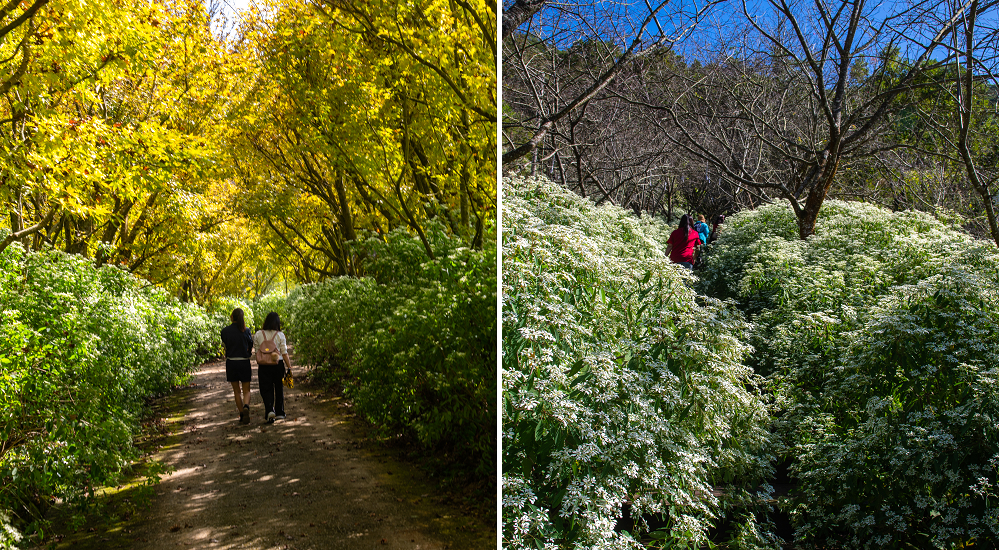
(720, 219)
(238, 319)
(685, 222)
(272, 322)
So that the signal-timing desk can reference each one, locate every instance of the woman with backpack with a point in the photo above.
(272, 360)
(702, 228)
(238, 343)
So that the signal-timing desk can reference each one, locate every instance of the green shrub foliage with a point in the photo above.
(276, 301)
(879, 338)
(620, 384)
(414, 343)
(81, 351)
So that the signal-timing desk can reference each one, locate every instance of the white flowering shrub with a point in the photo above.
(276, 301)
(82, 349)
(620, 385)
(879, 336)
(414, 344)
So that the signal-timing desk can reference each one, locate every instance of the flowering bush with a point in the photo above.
(81, 350)
(620, 384)
(414, 343)
(879, 338)
(276, 301)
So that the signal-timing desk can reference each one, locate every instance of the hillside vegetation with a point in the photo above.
(621, 384)
(879, 336)
(858, 366)
(414, 345)
(82, 349)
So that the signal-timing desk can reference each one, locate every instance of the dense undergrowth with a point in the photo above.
(621, 385)
(414, 345)
(81, 351)
(863, 361)
(878, 336)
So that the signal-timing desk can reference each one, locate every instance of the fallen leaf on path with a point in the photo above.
(175, 528)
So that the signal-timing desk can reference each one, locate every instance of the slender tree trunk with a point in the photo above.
(346, 218)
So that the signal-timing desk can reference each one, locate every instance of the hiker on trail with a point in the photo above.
(682, 242)
(715, 228)
(238, 343)
(702, 228)
(272, 360)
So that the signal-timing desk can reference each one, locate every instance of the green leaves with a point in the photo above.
(81, 349)
(879, 338)
(415, 345)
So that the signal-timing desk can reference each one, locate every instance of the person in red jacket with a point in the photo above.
(682, 242)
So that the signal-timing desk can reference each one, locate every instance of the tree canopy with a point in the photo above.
(216, 158)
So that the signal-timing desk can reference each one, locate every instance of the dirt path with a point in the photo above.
(302, 483)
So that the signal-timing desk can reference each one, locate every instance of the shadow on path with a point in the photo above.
(302, 483)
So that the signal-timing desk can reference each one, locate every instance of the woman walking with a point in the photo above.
(238, 343)
(682, 242)
(272, 360)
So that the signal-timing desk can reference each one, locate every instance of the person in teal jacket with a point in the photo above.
(702, 228)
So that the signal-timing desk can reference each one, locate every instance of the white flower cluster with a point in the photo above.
(621, 385)
(879, 337)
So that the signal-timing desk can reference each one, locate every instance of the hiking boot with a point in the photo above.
(245, 416)
(270, 416)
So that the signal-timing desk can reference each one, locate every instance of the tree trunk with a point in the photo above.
(345, 217)
(814, 201)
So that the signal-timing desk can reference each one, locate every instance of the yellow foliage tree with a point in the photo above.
(364, 118)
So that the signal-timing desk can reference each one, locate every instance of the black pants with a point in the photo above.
(271, 391)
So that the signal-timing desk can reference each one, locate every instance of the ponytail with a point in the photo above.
(238, 319)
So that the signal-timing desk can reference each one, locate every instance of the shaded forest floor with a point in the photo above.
(312, 481)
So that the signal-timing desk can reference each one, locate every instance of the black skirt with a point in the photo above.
(238, 370)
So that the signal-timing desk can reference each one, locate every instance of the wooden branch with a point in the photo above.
(28, 230)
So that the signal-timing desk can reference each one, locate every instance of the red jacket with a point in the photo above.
(682, 245)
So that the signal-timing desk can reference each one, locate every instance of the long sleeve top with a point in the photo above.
(238, 345)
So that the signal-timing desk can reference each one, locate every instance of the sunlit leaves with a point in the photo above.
(81, 349)
(391, 101)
